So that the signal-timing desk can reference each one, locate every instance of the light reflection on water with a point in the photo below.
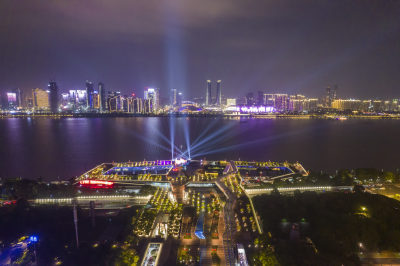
(50, 148)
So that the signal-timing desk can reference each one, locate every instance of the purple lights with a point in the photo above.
(251, 109)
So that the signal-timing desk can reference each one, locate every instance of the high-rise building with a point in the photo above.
(89, 94)
(135, 105)
(19, 94)
(153, 95)
(279, 101)
(111, 95)
(53, 96)
(148, 106)
(96, 100)
(218, 99)
(230, 102)
(40, 99)
(173, 97)
(250, 99)
(102, 97)
(118, 103)
(260, 98)
(11, 100)
(208, 93)
(297, 103)
(179, 99)
(347, 104)
(330, 96)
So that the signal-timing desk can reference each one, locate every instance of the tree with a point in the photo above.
(128, 256)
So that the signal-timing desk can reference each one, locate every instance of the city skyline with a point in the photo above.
(305, 47)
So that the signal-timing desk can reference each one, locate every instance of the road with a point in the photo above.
(228, 241)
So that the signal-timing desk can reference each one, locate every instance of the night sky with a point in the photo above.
(274, 46)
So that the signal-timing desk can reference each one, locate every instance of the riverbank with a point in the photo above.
(201, 115)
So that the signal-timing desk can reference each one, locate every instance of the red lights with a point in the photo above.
(10, 202)
(96, 183)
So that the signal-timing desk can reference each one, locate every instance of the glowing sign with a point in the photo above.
(96, 183)
(251, 109)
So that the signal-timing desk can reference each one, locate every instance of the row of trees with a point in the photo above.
(336, 224)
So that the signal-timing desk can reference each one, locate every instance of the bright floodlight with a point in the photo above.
(180, 161)
(33, 239)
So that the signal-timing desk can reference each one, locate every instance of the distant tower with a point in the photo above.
(53, 96)
(102, 96)
(328, 101)
(331, 95)
(218, 99)
(334, 92)
(89, 94)
(174, 94)
(208, 93)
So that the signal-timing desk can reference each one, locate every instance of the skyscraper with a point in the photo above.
(174, 94)
(260, 98)
(102, 97)
(53, 96)
(111, 95)
(89, 94)
(153, 95)
(331, 95)
(218, 99)
(208, 93)
(40, 99)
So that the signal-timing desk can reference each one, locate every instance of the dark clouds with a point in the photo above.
(294, 46)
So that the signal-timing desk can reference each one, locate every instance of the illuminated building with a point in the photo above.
(118, 103)
(310, 104)
(378, 106)
(153, 95)
(102, 97)
(148, 106)
(330, 96)
(208, 93)
(347, 104)
(89, 94)
(77, 99)
(260, 98)
(218, 98)
(278, 101)
(110, 95)
(19, 98)
(11, 100)
(65, 101)
(297, 103)
(135, 105)
(174, 94)
(40, 99)
(250, 99)
(96, 100)
(179, 100)
(53, 96)
(230, 101)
